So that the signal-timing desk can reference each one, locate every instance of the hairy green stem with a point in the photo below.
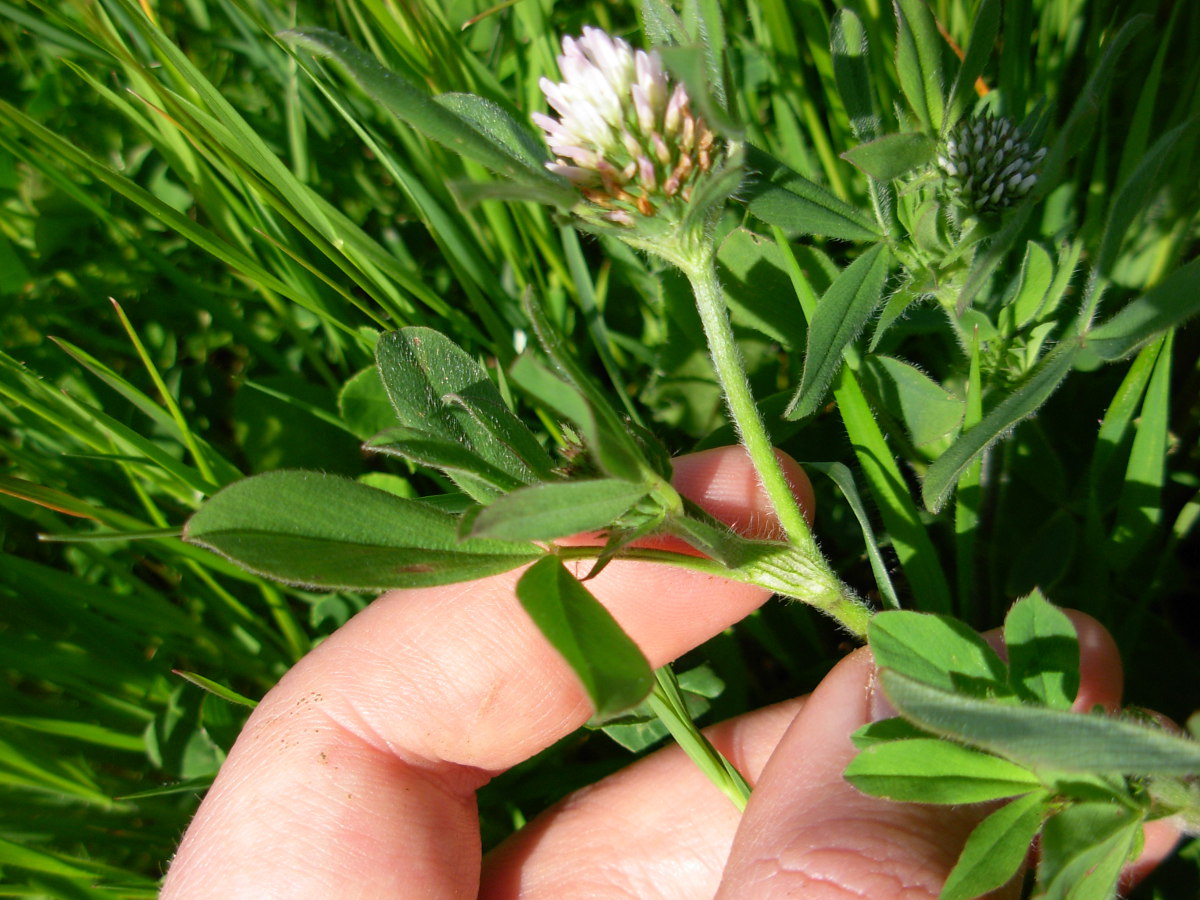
(826, 591)
(731, 373)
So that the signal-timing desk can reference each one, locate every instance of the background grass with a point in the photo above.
(202, 234)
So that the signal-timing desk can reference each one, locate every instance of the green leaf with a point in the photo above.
(612, 669)
(1043, 555)
(935, 650)
(451, 457)
(1043, 739)
(1135, 192)
(364, 405)
(928, 770)
(1083, 850)
(753, 277)
(892, 155)
(919, 61)
(996, 848)
(323, 531)
(852, 73)
(491, 119)
(841, 314)
(784, 198)
(486, 135)
(941, 477)
(984, 30)
(885, 731)
(609, 440)
(910, 537)
(436, 388)
(217, 689)
(929, 412)
(844, 479)
(639, 728)
(556, 509)
(1043, 652)
(896, 306)
(1172, 301)
(1139, 506)
(1034, 280)
(661, 24)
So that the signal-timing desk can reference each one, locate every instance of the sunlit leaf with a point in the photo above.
(610, 666)
(320, 530)
(928, 770)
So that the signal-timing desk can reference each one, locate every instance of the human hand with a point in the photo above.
(355, 776)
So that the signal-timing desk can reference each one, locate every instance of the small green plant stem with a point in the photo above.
(668, 704)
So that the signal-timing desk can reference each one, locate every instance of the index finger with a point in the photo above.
(356, 774)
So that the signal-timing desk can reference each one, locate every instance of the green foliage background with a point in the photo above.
(199, 243)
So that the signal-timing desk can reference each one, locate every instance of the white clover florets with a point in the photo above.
(625, 135)
(988, 165)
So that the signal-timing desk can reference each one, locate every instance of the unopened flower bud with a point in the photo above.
(987, 164)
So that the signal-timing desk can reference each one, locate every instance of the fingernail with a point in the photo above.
(878, 707)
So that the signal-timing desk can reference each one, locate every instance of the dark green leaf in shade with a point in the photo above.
(919, 61)
(1132, 196)
(1043, 739)
(841, 314)
(1044, 554)
(996, 848)
(897, 305)
(929, 770)
(1043, 652)
(984, 30)
(781, 197)
(754, 279)
(929, 412)
(610, 666)
(706, 534)
(1084, 848)
(936, 650)
(555, 509)
(852, 73)
(323, 531)
(1172, 301)
(364, 405)
(941, 477)
(892, 155)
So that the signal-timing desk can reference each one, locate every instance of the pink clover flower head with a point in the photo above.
(625, 134)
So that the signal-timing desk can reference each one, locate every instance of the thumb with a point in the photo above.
(808, 833)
